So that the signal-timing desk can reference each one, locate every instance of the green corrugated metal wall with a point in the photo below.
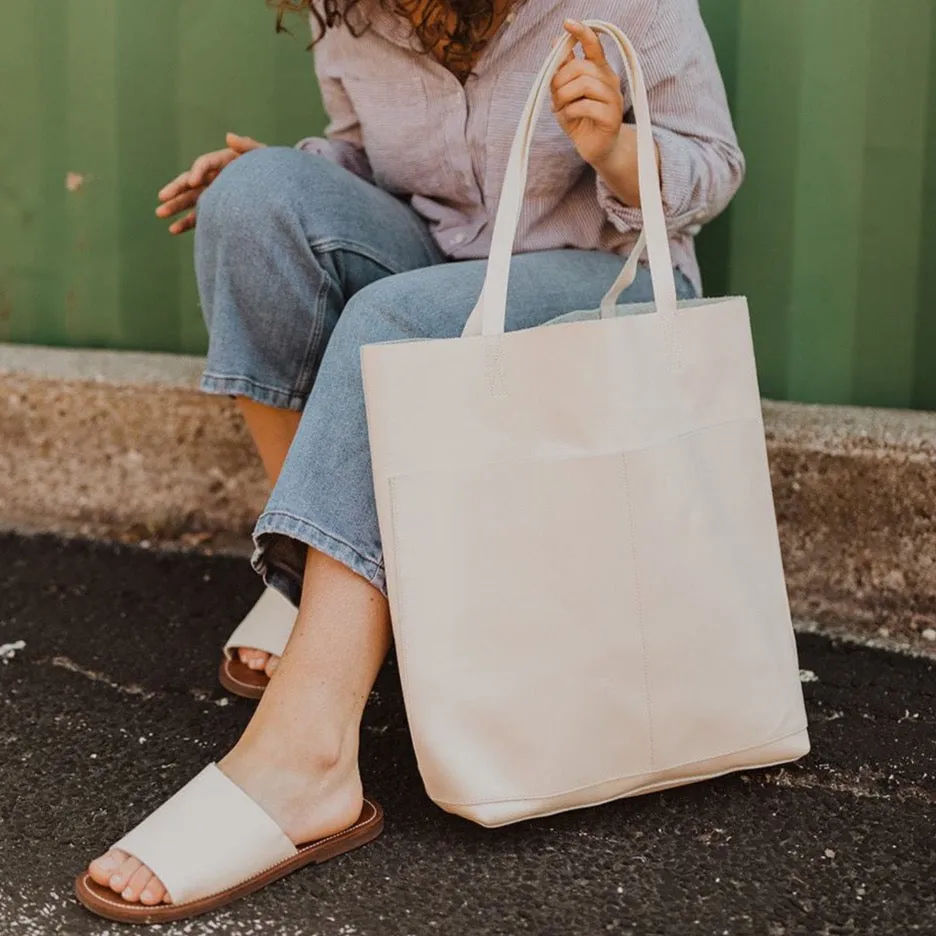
(124, 93)
(831, 237)
(834, 237)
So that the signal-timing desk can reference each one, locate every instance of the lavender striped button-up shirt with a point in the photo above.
(401, 119)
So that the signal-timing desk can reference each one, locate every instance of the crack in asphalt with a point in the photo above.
(130, 689)
(854, 784)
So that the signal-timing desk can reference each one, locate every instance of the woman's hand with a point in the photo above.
(589, 105)
(587, 98)
(183, 192)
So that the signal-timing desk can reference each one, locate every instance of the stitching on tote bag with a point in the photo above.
(674, 342)
(494, 368)
(399, 622)
(400, 630)
(640, 608)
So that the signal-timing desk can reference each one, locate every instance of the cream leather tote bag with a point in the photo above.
(581, 549)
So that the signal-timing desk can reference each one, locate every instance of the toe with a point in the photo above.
(101, 869)
(255, 659)
(271, 666)
(136, 884)
(118, 880)
(153, 893)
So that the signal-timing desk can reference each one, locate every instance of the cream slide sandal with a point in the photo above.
(267, 627)
(211, 844)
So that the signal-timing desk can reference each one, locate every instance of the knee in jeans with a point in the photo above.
(250, 193)
(411, 305)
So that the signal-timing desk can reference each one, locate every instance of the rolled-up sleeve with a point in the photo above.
(701, 163)
(343, 142)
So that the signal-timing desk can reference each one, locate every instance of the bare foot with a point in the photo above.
(307, 804)
(258, 660)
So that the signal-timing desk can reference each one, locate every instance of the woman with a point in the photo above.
(379, 233)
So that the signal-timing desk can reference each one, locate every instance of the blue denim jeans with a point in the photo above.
(299, 264)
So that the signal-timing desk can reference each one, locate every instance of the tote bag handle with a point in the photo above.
(489, 313)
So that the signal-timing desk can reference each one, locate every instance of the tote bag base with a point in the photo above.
(492, 815)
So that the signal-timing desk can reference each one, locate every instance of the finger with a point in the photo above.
(596, 111)
(180, 203)
(242, 144)
(588, 38)
(570, 55)
(566, 62)
(176, 186)
(210, 162)
(576, 68)
(584, 88)
(183, 225)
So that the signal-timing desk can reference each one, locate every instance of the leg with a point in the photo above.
(340, 519)
(272, 431)
(298, 756)
(284, 239)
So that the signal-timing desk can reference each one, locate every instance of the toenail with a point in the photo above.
(116, 881)
(127, 894)
(146, 895)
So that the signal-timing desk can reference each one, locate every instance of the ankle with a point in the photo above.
(305, 801)
(316, 754)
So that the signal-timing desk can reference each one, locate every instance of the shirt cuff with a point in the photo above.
(676, 172)
(345, 154)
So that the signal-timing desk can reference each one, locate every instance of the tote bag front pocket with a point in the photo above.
(481, 649)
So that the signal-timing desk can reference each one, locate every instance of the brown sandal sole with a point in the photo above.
(105, 903)
(240, 680)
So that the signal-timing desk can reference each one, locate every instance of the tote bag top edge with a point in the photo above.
(577, 318)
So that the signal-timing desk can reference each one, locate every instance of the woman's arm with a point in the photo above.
(343, 143)
(701, 164)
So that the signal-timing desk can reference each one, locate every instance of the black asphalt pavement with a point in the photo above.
(111, 705)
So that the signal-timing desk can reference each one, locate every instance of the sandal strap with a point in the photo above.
(207, 838)
(267, 626)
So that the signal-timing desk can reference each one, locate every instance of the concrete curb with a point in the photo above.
(95, 440)
(855, 492)
(124, 445)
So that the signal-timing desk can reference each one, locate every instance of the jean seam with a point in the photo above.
(334, 244)
(309, 368)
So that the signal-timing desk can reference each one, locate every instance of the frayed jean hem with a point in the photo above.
(245, 387)
(281, 540)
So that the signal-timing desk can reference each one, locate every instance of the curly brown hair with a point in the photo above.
(459, 28)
